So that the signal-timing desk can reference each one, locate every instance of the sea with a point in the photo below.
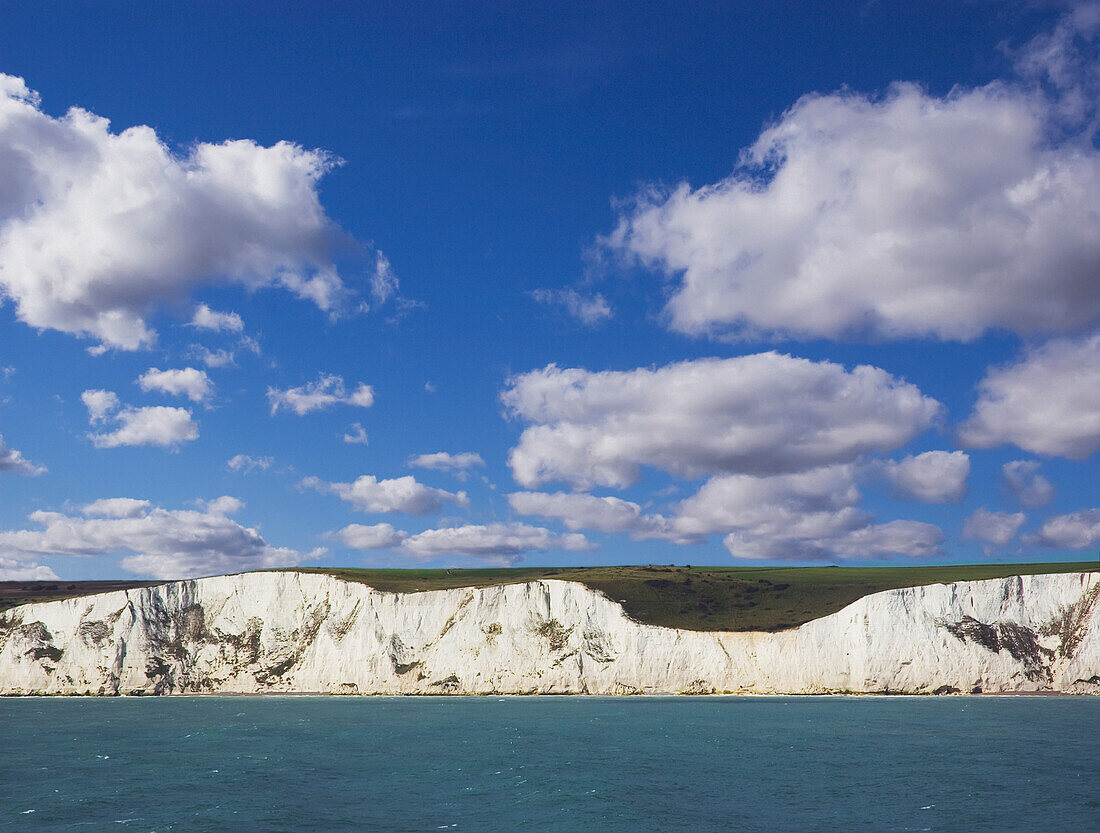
(333, 764)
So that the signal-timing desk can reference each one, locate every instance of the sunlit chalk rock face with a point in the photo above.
(294, 632)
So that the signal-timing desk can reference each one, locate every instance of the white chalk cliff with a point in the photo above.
(297, 632)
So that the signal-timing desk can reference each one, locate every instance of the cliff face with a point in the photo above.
(295, 632)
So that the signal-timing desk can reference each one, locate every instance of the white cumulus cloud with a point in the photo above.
(760, 414)
(908, 215)
(188, 381)
(1048, 402)
(995, 529)
(99, 229)
(931, 477)
(116, 507)
(497, 542)
(1023, 481)
(155, 542)
(12, 569)
(224, 505)
(912, 539)
(13, 461)
(205, 318)
(819, 501)
(602, 514)
(370, 537)
(157, 425)
(326, 391)
(400, 494)
(811, 515)
(100, 404)
(1075, 531)
(443, 461)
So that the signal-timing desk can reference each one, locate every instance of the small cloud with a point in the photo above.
(100, 403)
(221, 506)
(1045, 403)
(385, 287)
(1075, 532)
(809, 515)
(189, 382)
(588, 310)
(442, 461)
(1023, 481)
(931, 477)
(995, 529)
(400, 494)
(496, 542)
(327, 391)
(601, 514)
(211, 358)
(372, 537)
(158, 425)
(116, 507)
(12, 570)
(245, 464)
(383, 281)
(13, 461)
(356, 435)
(156, 542)
(208, 319)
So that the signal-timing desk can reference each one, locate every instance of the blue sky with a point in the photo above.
(569, 284)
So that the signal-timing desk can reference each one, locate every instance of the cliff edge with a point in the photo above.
(282, 632)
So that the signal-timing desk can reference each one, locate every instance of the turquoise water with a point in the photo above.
(330, 765)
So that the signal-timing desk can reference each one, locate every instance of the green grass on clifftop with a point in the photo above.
(13, 593)
(712, 598)
(697, 598)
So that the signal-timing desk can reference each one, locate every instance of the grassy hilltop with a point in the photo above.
(14, 593)
(697, 598)
(712, 598)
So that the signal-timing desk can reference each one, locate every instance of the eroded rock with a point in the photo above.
(286, 632)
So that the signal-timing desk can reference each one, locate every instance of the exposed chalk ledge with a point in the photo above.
(282, 632)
